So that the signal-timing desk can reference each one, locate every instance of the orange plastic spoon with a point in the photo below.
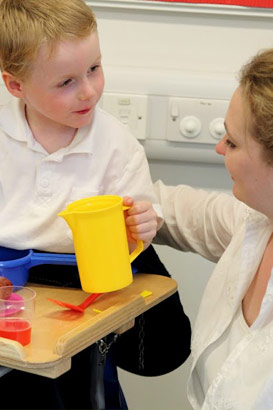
(77, 308)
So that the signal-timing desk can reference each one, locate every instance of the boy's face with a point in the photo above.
(63, 90)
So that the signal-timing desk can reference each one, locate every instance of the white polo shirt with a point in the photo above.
(103, 158)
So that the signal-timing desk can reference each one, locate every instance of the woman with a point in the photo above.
(232, 345)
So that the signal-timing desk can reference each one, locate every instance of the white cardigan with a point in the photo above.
(224, 230)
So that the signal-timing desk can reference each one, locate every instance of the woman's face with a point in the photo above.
(244, 159)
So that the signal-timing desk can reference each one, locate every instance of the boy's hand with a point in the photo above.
(141, 222)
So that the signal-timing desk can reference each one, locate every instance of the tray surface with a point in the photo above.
(58, 334)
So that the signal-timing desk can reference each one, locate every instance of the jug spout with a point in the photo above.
(68, 217)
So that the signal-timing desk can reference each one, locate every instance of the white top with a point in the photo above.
(215, 354)
(226, 231)
(103, 158)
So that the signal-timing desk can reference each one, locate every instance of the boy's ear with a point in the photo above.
(12, 84)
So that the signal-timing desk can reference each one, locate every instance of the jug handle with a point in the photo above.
(139, 247)
(38, 258)
(137, 251)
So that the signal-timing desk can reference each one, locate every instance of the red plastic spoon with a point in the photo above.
(77, 308)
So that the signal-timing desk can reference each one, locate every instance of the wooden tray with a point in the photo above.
(58, 334)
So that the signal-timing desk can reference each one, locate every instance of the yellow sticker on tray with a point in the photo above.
(146, 293)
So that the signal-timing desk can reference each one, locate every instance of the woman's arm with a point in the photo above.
(197, 220)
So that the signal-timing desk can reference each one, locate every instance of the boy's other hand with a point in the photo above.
(141, 222)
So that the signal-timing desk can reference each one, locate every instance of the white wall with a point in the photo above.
(184, 42)
(188, 41)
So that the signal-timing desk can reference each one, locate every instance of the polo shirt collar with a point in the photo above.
(14, 124)
(12, 120)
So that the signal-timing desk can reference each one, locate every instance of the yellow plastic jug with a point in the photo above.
(100, 242)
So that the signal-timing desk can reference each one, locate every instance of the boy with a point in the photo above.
(57, 146)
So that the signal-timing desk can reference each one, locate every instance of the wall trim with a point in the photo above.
(166, 7)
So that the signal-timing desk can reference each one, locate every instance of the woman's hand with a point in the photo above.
(141, 222)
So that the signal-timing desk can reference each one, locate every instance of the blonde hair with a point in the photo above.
(256, 83)
(27, 24)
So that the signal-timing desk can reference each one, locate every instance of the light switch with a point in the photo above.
(131, 110)
(123, 115)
